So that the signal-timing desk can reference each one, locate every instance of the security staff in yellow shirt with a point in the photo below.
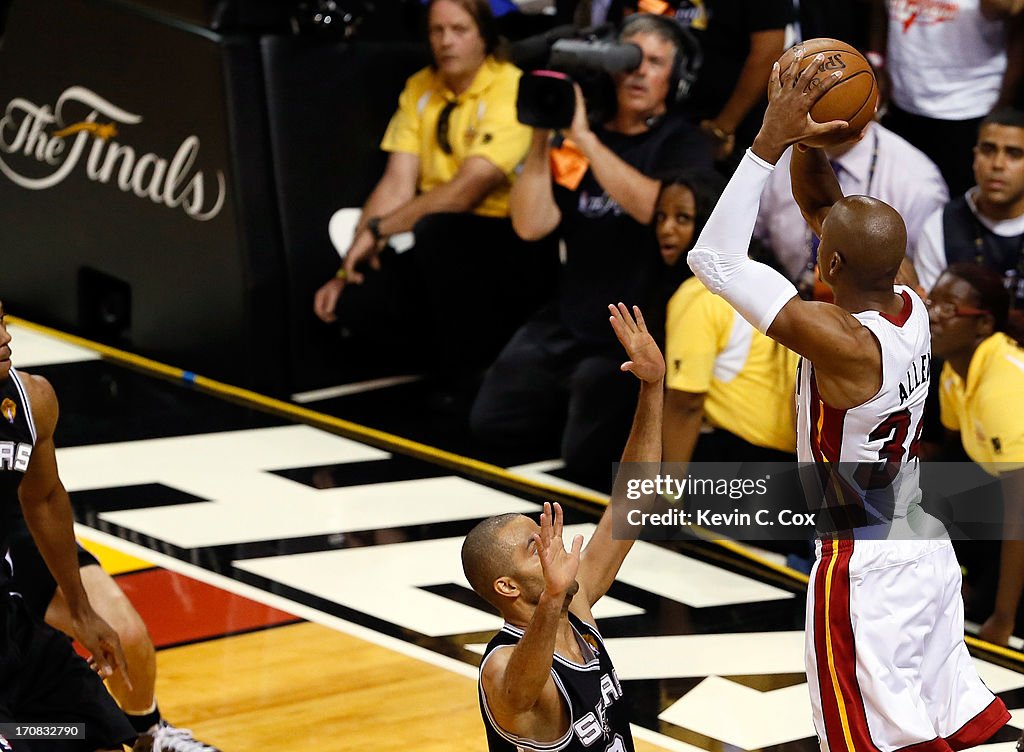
(981, 395)
(454, 144)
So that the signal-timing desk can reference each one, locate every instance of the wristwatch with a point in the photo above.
(373, 225)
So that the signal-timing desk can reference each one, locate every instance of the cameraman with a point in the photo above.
(595, 193)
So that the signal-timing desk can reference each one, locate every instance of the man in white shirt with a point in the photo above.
(950, 63)
(881, 165)
(986, 224)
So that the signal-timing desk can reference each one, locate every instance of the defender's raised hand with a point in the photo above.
(560, 566)
(645, 359)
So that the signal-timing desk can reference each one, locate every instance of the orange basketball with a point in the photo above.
(853, 99)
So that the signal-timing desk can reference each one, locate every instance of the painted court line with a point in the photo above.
(344, 390)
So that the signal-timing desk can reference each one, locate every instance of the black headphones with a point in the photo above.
(689, 56)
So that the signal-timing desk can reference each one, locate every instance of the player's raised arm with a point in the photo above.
(815, 186)
(825, 334)
(640, 458)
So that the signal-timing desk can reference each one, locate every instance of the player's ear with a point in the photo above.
(835, 263)
(506, 587)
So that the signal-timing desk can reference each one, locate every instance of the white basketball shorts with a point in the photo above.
(887, 667)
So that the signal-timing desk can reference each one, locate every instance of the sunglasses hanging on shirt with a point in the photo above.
(443, 120)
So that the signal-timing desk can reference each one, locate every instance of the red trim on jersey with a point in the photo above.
(981, 727)
(828, 441)
(901, 318)
(814, 403)
(832, 432)
(838, 669)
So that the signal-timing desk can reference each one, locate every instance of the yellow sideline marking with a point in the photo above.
(112, 560)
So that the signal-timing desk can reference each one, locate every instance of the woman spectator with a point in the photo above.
(981, 396)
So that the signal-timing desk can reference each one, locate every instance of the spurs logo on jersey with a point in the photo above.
(17, 431)
(15, 456)
(592, 694)
(17, 438)
(880, 437)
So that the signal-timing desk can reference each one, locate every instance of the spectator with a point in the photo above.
(722, 373)
(595, 194)
(982, 399)
(454, 144)
(986, 224)
(936, 100)
(881, 165)
(741, 39)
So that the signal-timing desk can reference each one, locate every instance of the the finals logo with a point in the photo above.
(56, 138)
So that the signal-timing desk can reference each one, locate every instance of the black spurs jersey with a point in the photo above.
(598, 716)
(17, 438)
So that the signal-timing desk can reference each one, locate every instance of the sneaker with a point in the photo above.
(1020, 742)
(164, 737)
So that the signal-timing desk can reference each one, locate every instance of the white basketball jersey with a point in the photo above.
(883, 433)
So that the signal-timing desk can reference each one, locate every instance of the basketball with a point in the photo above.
(853, 99)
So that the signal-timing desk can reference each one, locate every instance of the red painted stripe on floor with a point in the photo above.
(179, 609)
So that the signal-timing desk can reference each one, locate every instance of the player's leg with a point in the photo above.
(55, 683)
(965, 711)
(139, 699)
(110, 602)
(868, 619)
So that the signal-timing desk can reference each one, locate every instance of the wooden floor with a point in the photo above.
(248, 691)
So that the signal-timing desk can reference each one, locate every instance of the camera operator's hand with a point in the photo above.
(580, 131)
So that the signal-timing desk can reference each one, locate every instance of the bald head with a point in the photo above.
(871, 238)
(487, 555)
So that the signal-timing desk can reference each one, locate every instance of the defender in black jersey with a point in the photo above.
(42, 679)
(546, 680)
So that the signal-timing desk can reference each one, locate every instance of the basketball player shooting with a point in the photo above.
(546, 681)
(886, 663)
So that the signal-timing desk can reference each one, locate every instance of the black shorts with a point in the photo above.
(32, 577)
(43, 680)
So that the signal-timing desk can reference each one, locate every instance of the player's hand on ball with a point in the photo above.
(792, 94)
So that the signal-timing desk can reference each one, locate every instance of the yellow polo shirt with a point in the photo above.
(748, 378)
(482, 124)
(988, 410)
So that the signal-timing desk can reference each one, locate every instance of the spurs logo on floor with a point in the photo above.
(15, 456)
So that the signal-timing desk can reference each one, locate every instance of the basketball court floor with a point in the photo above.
(300, 575)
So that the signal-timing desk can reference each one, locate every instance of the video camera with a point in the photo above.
(546, 96)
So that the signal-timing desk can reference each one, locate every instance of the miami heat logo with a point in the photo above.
(9, 409)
